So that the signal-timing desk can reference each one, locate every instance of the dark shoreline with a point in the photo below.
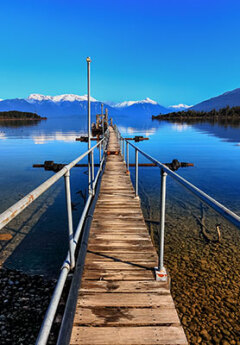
(19, 115)
(22, 119)
(195, 118)
(226, 114)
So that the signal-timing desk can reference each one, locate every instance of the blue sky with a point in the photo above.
(171, 51)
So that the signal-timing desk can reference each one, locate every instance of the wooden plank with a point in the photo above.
(121, 243)
(133, 257)
(116, 231)
(126, 317)
(119, 222)
(130, 300)
(97, 265)
(115, 211)
(128, 336)
(115, 275)
(120, 230)
(109, 205)
(114, 235)
(126, 249)
(89, 286)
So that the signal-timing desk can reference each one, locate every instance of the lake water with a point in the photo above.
(40, 232)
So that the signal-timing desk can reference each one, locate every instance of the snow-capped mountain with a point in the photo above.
(69, 105)
(146, 107)
(179, 107)
(54, 106)
(231, 98)
(61, 98)
(129, 103)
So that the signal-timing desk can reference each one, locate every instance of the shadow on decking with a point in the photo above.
(122, 261)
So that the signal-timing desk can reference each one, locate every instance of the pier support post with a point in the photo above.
(70, 222)
(120, 140)
(161, 274)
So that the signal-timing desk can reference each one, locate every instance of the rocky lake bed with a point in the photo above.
(23, 302)
(205, 272)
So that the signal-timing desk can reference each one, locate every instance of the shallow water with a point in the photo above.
(40, 233)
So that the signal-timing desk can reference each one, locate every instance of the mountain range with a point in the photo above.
(70, 105)
(230, 98)
(74, 105)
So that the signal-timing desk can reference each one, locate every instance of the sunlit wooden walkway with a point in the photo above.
(119, 300)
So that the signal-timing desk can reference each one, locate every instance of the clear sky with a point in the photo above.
(173, 51)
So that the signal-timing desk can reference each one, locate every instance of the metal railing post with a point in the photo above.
(102, 119)
(120, 140)
(100, 153)
(127, 149)
(161, 274)
(89, 174)
(92, 162)
(136, 172)
(70, 222)
(123, 150)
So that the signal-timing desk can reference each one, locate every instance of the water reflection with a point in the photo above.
(18, 123)
(226, 130)
(132, 130)
(208, 145)
(3, 136)
(180, 127)
(58, 136)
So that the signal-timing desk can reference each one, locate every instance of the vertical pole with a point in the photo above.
(70, 222)
(100, 153)
(120, 142)
(102, 119)
(162, 220)
(89, 125)
(127, 148)
(136, 172)
(92, 159)
(106, 111)
(123, 150)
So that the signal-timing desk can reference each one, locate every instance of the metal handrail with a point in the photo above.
(214, 204)
(211, 202)
(69, 262)
(8, 215)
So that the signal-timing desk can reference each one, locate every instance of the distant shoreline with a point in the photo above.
(224, 114)
(19, 115)
(22, 118)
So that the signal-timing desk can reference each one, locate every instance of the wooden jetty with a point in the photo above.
(119, 301)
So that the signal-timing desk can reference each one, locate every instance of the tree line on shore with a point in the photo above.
(14, 114)
(224, 113)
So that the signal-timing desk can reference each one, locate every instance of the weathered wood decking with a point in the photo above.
(119, 301)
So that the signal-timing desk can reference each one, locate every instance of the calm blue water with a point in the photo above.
(40, 233)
